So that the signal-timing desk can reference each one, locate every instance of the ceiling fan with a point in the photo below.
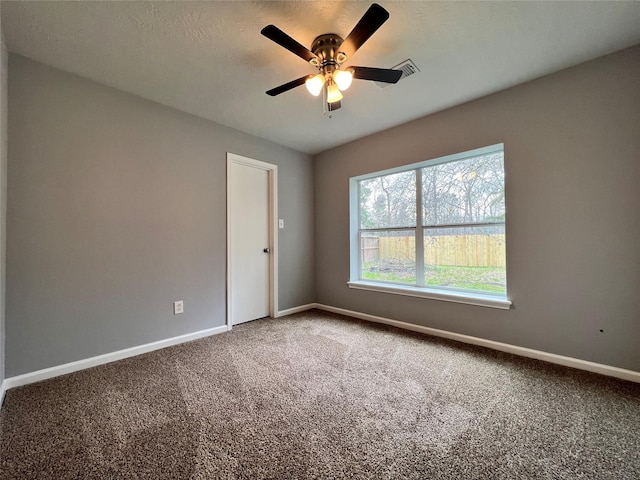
(328, 52)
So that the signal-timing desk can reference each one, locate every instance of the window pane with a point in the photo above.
(388, 256)
(464, 191)
(469, 258)
(388, 201)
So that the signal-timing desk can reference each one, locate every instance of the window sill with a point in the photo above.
(479, 299)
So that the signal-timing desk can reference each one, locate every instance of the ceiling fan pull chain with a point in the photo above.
(324, 101)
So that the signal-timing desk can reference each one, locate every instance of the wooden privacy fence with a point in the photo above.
(460, 250)
(370, 248)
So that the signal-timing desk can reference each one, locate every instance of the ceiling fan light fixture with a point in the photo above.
(343, 79)
(333, 93)
(315, 84)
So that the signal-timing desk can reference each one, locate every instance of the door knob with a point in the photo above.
(266, 250)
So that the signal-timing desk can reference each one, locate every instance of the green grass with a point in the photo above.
(389, 272)
(485, 279)
(390, 277)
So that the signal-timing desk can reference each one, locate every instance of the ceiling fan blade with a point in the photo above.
(274, 33)
(288, 86)
(367, 26)
(386, 75)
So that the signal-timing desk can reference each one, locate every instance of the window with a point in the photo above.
(434, 229)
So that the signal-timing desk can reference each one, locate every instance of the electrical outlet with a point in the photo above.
(178, 307)
(281, 223)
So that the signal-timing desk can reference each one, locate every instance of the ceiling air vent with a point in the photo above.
(407, 67)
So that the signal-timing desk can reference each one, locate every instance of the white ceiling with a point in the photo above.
(209, 58)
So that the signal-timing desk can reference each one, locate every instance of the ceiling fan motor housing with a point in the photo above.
(326, 49)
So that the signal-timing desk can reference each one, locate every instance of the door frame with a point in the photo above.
(272, 171)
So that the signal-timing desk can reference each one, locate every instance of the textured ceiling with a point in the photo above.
(209, 59)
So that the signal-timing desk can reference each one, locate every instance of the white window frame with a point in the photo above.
(471, 298)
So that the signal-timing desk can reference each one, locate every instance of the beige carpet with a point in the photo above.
(317, 395)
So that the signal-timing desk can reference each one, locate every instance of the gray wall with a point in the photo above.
(572, 165)
(4, 56)
(116, 208)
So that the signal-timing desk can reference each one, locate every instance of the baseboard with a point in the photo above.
(51, 372)
(616, 372)
(3, 388)
(56, 371)
(291, 311)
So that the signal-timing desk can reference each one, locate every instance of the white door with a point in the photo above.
(249, 239)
